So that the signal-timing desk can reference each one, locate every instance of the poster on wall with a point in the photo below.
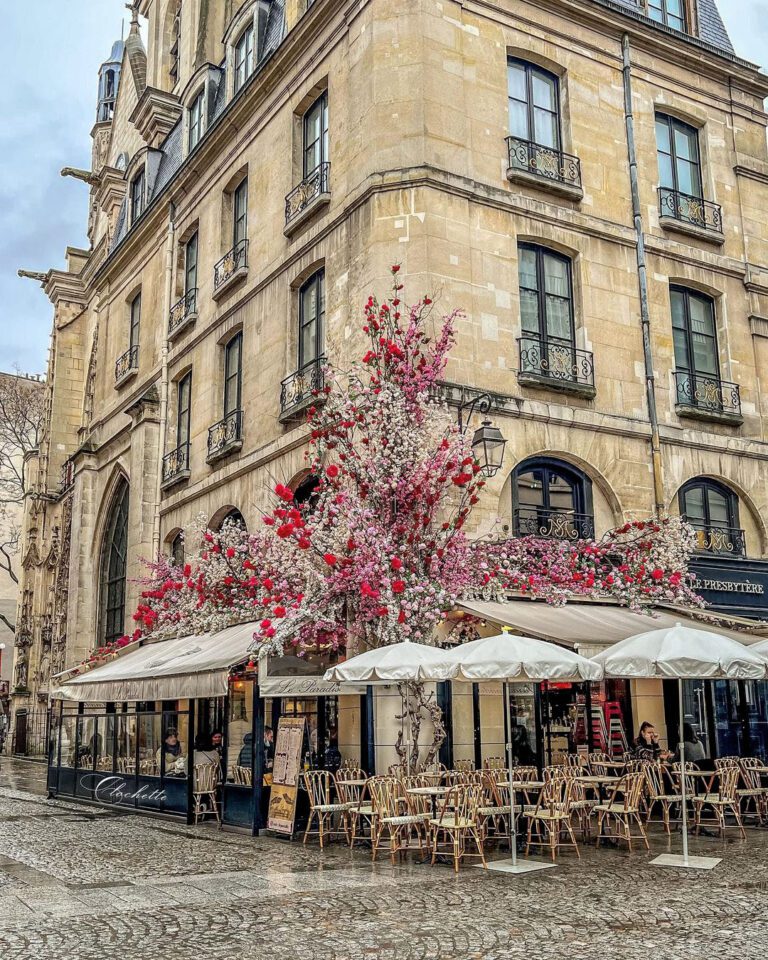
(285, 774)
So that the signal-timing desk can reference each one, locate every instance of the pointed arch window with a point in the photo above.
(113, 568)
(552, 499)
(712, 509)
(177, 549)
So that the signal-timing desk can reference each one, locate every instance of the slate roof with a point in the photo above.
(711, 27)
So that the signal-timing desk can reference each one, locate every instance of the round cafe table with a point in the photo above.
(598, 782)
(432, 792)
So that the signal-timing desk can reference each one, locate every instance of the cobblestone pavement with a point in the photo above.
(81, 883)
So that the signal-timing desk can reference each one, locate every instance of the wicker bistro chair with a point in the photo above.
(551, 818)
(525, 774)
(495, 808)
(753, 790)
(396, 815)
(658, 792)
(597, 757)
(360, 810)
(242, 775)
(322, 809)
(350, 783)
(623, 812)
(464, 766)
(206, 780)
(725, 799)
(495, 763)
(457, 822)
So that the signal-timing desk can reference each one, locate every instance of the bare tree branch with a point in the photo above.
(11, 626)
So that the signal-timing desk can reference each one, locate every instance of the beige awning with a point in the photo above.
(586, 625)
(169, 670)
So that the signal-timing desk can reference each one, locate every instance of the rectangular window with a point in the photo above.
(694, 333)
(135, 320)
(316, 135)
(137, 195)
(311, 318)
(233, 372)
(669, 12)
(240, 213)
(190, 265)
(546, 295)
(678, 151)
(196, 120)
(243, 58)
(534, 109)
(184, 397)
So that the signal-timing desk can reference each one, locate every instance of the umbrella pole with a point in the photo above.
(510, 765)
(684, 799)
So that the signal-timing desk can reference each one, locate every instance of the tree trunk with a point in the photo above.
(418, 706)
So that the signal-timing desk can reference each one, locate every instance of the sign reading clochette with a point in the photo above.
(286, 771)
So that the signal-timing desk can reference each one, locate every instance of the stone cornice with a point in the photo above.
(155, 115)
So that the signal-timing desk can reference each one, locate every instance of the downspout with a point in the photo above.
(163, 431)
(642, 276)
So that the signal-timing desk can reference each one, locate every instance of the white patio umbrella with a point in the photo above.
(682, 653)
(510, 658)
(396, 663)
(761, 648)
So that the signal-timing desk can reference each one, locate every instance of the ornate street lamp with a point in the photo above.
(488, 443)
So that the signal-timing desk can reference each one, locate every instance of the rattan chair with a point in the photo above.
(725, 799)
(322, 808)
(242, 775)
(206, 778)
(551, 818)
(753, 790)
(458, 822)
(397, 817)
(360, 810)
(495, 763)
(623, 812)
(658, 792)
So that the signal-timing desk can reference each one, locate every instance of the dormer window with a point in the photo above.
(196, 120)
(138, 195)
(669, 12)
(244, 57)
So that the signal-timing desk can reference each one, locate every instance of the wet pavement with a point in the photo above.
(89, 884)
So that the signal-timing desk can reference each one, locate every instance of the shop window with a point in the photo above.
(113, 568)
(552, 499)
(712, 509)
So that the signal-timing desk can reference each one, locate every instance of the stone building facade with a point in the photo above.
(586, 179)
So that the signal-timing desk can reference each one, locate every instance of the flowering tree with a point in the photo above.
(379, 552)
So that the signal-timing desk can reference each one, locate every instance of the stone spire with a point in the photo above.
(137, 55)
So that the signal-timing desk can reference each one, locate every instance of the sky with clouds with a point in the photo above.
(49, 58)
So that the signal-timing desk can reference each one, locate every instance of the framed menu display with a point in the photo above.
(286, 771)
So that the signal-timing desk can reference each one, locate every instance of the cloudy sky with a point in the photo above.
(49, 58)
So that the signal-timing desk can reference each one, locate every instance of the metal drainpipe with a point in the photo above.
(169, 250)
(642, 276)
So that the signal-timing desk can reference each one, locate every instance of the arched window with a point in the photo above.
(306, 493)
(234, 518)
(712, 509)
(177, 549)
(551, 498)
(112, 574)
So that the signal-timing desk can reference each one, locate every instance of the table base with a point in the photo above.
(693, 863)
(526, 866)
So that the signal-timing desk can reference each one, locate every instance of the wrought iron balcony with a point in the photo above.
(690, 211)
(553, 524)
(707, 397)
(226, 436)
(127, 364)
(176, 465)
(557, 365)
(724, 541)
(183, 312)
(231, 268)
(302, 388)
(311, 193)
(67, 478)
(547, 164)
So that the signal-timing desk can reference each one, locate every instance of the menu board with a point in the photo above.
(286, 770)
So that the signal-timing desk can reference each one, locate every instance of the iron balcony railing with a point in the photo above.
(707, 394)
(556, 360)
(230, 263)
(311, 187)
(225, 434)
(176, 463)
(711, 538)
(548, 163)
(553, 524)
(67, 478)
(182, 310)
(126, 363)
(302, 387)
(691, 210)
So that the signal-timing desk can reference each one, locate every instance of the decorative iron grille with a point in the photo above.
(303, 386)
(126, 363)
(545, 162)
(182, 310)
(225, 434)
(310, 188)
(556, 360)
(710, 538)
(707, 393)
(230, 263)
(176, 462)
(553, 524)
(691, 210)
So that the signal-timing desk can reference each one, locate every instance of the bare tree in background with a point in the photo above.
(22, 404)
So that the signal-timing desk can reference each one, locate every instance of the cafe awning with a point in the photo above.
(196, 666)
(587, 625)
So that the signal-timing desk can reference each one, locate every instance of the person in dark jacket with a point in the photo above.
(646, 746)
(245, 757)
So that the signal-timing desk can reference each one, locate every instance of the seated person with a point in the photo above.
(694, 748)
(172, 753)
(205, 752)
(646, 746)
